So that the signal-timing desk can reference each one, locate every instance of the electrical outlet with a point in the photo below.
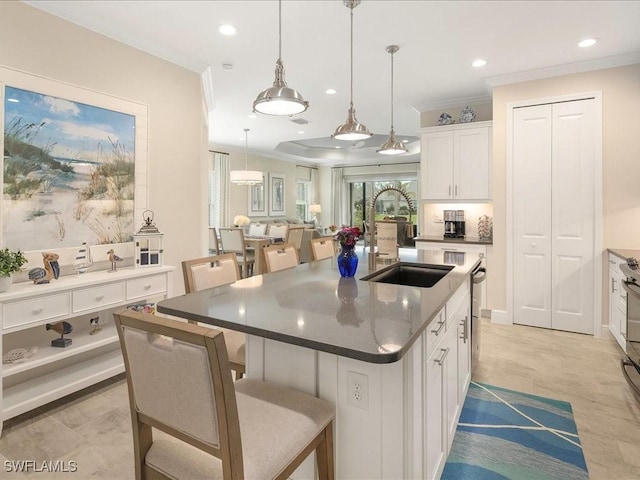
(437, 218)
(358, 390)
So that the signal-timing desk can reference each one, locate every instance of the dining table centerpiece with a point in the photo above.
(347, 258)
(241, 221)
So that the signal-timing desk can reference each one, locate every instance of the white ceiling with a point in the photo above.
(438, 40)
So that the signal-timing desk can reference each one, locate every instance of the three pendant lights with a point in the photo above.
(280, 99)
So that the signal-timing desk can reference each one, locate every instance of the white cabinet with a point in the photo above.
(53, 372)
(456, 162)
(617, 301)
(446, 380)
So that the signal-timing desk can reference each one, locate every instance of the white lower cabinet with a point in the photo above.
(53, 372)
(447, 374)
(617, 301)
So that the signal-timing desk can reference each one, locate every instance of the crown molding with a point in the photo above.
(566, 69)
(454, 102)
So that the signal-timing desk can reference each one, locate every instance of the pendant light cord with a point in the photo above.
(280, 30)
(351, 101)
(246, 149)
(392, 91)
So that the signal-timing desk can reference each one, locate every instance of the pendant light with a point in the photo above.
(392, 146)
(279, 99)
(352, 129)
(245, 177)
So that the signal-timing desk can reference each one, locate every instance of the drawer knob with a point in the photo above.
(147, 286)
(99, 297)
(38, 310)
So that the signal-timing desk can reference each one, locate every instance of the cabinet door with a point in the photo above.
(436, 165)
(434, 419)
(451, 383)
(463, 321)
(614, 286)
(471, 164)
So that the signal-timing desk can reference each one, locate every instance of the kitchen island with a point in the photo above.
(394, 359)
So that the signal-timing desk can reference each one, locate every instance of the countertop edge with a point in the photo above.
(624, 253)
(465, 240)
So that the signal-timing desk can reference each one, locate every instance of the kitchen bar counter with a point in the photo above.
(312, 306)
(443, 239)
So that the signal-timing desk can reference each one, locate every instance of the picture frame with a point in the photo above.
(84, 138)
(258, 199)
(276, 194)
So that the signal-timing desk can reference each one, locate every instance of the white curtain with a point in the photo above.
(338, 195)
(220, 216)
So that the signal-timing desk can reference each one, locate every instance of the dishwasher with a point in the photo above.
(478, 276)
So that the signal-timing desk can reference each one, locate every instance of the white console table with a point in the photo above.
(53, 372)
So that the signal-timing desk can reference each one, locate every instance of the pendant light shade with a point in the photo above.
(279, 99)
(352, 129)
(245, 177)
(392, 146)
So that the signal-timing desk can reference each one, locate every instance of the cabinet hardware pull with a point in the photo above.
(445, 352)
(437, 331)
(37, 310)
(99, 297)
(456, 194)
(449, 190)
(147, 286)
(463, 324)
(613, 285)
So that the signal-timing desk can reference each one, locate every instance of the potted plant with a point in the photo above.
(10, 261)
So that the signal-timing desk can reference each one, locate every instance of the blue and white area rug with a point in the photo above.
(505, 434)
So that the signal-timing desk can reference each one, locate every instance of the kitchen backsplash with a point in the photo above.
(435, 211)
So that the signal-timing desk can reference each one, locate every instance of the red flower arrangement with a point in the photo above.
(348, 236)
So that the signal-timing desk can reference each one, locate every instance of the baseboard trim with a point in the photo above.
(501, 317)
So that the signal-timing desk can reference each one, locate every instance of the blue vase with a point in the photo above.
(347, 261)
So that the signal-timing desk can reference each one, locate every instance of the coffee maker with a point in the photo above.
(454, 223)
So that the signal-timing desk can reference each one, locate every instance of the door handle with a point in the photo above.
(437, 331)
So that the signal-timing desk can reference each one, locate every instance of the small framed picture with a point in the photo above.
(276, 194)
(258, 199)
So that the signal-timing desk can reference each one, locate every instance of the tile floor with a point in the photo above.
(92, 427)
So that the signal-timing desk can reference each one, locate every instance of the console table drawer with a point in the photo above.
(151, 285)
(37, 309)
(97, 297)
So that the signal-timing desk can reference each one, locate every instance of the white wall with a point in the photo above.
(44, 45)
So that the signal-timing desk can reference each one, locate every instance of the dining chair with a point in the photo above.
(232, 241)
(280, 256)
(294, 237)
(278, 230)
(190, 420)
(258, 229)
(323, 247)
(214, 246)
(216, 271)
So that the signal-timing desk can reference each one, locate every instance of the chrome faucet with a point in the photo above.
(372, 224)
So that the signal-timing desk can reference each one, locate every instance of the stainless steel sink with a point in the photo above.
(412, 274)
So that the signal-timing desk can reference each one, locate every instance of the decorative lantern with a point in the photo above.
(148, 243)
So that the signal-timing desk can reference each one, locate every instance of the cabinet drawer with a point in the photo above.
(33, 310)
(97, 297)
(145, 286)
(434, 333)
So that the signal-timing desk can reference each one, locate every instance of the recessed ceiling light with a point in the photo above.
(330, 91)
(338, 147)
(253, 116)
(587, 42)
(227, 29)
(479, 62)
(301, 131)
(13, 100)
(405, 141)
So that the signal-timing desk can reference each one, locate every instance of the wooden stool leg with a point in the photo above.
(324, 455)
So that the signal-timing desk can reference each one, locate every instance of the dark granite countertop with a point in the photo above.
(312, 306)
(442, 239)
(624, 253)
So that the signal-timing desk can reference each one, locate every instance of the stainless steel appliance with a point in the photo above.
(631, 365)
(478, 276)
(460, 223)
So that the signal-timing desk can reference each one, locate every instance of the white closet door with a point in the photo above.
(573, 209)
(532, 215)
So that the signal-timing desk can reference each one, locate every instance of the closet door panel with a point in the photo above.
(573, 209)
(531, 208)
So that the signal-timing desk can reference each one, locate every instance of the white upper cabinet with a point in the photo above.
(456, 162)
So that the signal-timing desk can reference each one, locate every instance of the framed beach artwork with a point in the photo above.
(258, 199)
(74, 166)
(276, 194)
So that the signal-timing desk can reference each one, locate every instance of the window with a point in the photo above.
(303, 189)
